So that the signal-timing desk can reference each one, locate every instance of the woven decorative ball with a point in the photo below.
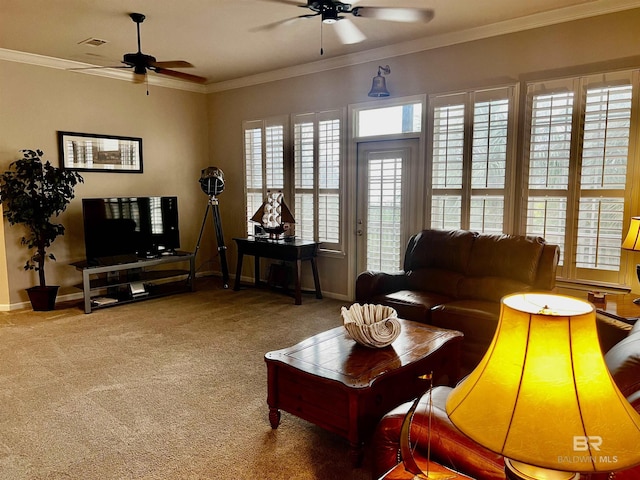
(374, 326)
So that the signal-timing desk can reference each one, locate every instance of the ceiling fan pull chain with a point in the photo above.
(321, 39)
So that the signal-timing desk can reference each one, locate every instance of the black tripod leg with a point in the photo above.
(195, 254)
(222, 249)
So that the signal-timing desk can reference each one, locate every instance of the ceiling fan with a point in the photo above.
(332, 11)
(141, 62)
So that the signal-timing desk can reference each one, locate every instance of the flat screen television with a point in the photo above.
(122, 229)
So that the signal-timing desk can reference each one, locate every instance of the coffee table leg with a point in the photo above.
(274, 417)
(356, 453)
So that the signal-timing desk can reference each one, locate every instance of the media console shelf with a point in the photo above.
(134, 281)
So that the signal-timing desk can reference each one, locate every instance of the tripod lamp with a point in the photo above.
(212, 183)
(543, 397)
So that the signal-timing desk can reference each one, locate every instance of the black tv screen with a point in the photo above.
(121, 229)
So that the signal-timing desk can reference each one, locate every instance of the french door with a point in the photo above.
(384, 191)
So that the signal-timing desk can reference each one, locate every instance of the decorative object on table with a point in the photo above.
(91, 152)
(371, 325)
(597, 298)
(543, 397)
(212, 184)
(273, 215)
(33, 193)
(406, 450)
(379, 84)
(632, 242)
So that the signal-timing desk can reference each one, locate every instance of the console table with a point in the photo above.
(295, 250)
(122, 279)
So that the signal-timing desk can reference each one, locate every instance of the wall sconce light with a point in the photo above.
(379, 85)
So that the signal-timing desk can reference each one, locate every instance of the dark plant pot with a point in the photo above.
(43, 298)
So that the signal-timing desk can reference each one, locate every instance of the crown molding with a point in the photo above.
(563, 15)
(96, 70)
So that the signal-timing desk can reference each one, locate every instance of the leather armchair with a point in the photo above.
(451, 448)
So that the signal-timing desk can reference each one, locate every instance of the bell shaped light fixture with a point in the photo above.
(379, 85)
(542, 395)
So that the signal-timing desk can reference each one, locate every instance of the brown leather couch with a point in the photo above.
(453, 449)
(455, 279)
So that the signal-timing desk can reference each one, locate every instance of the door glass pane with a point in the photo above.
(384, 212)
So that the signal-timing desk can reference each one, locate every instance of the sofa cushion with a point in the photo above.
(506, 256)
(435, 280)
(413, 304)
(490, 288)
(441, 249)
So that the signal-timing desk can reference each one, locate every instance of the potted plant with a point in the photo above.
(32, 193)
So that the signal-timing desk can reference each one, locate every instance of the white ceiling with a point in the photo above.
(219, 37)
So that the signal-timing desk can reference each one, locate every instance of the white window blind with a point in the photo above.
(578, 151)
(384, 212)
(264, 144)
(471, 159)
(317, 153)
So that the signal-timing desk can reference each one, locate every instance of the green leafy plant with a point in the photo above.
(33, 193)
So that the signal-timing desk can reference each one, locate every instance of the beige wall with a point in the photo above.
(36, 102)
(184, 132)
(579, 47)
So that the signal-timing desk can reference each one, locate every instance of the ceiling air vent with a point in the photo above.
(94, 42)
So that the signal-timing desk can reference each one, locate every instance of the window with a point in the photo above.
(313, 162)
(390, 120)
(264, 148)
(317, 153)
(471, 159)
(578, 149)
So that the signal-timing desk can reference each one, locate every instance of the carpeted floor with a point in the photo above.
(171, 388)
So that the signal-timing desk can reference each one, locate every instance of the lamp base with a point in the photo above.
(521, 471)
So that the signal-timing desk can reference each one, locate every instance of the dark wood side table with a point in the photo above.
(295, 250)
(346, 388)
(620, 307)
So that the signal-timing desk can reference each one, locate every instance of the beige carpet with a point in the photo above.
(171, 388)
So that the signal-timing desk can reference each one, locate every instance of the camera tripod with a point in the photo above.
(222, 249)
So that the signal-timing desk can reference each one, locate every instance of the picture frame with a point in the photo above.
(91, 152)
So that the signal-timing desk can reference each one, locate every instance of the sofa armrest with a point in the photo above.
(370, 284)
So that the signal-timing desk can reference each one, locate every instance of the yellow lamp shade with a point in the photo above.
(632, 240)
(543, 395)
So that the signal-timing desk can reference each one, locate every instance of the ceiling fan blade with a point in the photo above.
(279, 23)
(395, 14)
(171, 64)
(99, 66)
(181, 75)
(348, 32)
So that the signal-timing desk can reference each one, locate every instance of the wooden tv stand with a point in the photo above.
(133, 281)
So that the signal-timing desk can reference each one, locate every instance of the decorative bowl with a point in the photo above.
(374, 326)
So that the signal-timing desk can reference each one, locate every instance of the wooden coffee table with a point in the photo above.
(346, 388)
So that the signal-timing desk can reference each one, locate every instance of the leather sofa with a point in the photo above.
(455, 279)
(451, 448)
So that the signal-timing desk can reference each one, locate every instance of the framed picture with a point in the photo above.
(89, 152)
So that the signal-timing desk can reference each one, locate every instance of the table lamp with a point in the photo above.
(542, 395)
(632, 242)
